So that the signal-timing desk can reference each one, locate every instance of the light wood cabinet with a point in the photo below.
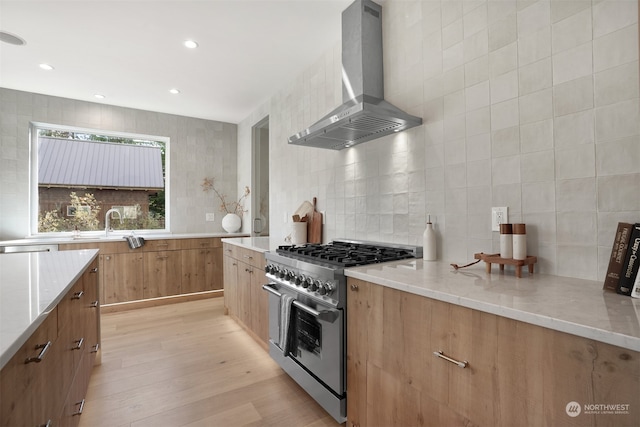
(162, 274)
(515, 373)
(245, 300)
(122, 277)
(160, 268)
(38, 392)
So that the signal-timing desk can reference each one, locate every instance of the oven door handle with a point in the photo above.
(326, 315)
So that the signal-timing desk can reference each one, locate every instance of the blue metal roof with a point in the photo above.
(75, 163)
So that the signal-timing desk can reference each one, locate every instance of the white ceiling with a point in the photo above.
(133, 52)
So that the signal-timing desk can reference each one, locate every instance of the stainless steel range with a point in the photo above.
(307, 312)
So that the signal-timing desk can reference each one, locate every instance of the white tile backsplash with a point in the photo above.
(616, 48)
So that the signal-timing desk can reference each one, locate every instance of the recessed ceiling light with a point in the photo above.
(11, 39)
(99, 96)
(190, 44)
(46, 67)
(174, 91)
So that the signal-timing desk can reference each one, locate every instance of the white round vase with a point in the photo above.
(231, 223)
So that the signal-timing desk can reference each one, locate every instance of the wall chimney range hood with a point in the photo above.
(364, 114)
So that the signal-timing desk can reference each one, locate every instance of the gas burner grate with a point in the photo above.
(345, 254)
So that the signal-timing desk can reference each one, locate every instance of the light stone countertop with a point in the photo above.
(31, 285)
(260, 244)
(113, 237)
(575, 306)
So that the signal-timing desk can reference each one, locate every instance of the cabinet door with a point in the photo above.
(244, 293)
(194, 268)
(122, 277)
(473, 391)
(27, 389)
(162, 274)
(357, 348)
(214, 269)
(231, 285)
(259, 305)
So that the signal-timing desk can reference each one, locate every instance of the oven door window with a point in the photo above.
(308, 333)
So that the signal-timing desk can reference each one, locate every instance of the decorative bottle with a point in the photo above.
(429, 242)
(506, 241)
(519, 241)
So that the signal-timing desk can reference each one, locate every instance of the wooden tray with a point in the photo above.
(496, 259)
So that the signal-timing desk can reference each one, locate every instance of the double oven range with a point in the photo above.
(307, 311)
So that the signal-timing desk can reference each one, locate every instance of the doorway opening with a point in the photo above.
(260, 178)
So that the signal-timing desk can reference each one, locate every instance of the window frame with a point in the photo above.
(33, 178)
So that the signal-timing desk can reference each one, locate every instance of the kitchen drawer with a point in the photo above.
(161, 245)
(205, 243)
(231, 250)
(71, 305)
(251, 257)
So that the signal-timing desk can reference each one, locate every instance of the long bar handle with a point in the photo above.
(40, 356)
(327, 315)
(441, 355)
(79, 345)
(80, 409)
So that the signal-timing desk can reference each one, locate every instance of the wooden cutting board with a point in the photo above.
(314, 226)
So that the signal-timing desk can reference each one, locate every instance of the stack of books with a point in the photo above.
(622, 274)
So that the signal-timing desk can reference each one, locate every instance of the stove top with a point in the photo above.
(348, 253)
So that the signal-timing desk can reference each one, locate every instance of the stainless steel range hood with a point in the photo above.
(364, 115)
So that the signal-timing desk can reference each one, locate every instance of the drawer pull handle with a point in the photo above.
(80, 409)
(247, 256)
(40, 356)
(95, 348)
(162, 257)
(354, 288)
(234, 263)
(441, 355)
(94, 304)
(77, 295)
(95, 270)
(48, 424)
(79, 345)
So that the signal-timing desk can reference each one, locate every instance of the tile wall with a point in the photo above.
(527, 104)
(198, 148)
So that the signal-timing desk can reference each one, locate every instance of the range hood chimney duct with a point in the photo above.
(364, 114)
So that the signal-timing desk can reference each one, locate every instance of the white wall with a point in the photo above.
(198, 148)
(530, 105)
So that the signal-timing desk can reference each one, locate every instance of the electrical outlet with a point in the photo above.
(499, 216)
(324, 217)
(210, 216)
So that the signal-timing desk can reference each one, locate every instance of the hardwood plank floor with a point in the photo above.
(188, 364)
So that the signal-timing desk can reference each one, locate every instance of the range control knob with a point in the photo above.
(307, 283)
(299, 279)
(315, 284)
(269, 268)
(326, 289)
(282, 273)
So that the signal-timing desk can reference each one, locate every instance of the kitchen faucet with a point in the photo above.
(107, 220)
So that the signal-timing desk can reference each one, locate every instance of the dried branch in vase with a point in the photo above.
(208, 184)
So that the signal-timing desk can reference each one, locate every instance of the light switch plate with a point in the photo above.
(210, 216)
(499, 216)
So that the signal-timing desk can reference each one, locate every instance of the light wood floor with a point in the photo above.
(188, 364)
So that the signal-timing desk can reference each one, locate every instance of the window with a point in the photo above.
(79, 174)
